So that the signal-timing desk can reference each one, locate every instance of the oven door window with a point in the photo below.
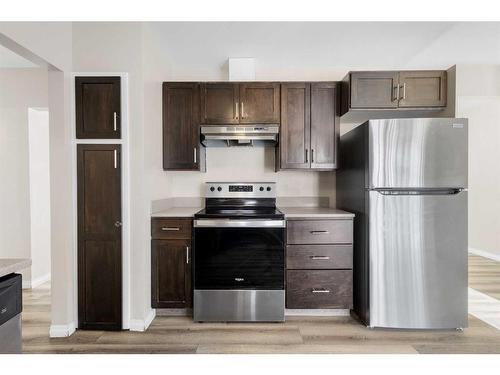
(239, 258)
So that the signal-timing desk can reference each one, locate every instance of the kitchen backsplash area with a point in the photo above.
(244, 164)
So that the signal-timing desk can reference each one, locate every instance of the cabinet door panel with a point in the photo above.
(219, 103)
(99, 237)
(171, 273)
(324, 125)
(97, 104)
(373, 90)
(295, 126)
(260, 103)
(181, 146)
(422, 89)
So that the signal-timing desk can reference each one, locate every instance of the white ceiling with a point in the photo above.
(9, 59)
(194, 49)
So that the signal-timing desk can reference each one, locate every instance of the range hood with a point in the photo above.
(227, 135)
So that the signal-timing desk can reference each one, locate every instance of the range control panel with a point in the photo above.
(240, 190)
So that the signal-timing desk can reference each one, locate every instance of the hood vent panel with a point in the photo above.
(225, 136)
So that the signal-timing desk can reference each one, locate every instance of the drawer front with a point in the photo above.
(319, 289)
(319, 257)
(319, 231)
(171, 228)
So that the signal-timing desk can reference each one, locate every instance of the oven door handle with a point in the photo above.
(248, 223)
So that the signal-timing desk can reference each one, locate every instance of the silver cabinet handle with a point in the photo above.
(396, 93)
(306, 155)
(118, 223)
(237, 110)
(170, 229)
(319, 232)
(115, 157)
(320, 290)
(243, 110)
(194, 151)
(319, 257)
(403, 96)
(187, 254)
(114, 121)
(312, 155)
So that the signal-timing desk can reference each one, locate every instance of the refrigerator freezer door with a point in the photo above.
(418, 260)
(418, 153)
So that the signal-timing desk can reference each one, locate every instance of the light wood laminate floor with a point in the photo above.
(296, 335)
(484, 275)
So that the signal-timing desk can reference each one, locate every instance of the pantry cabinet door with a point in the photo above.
(97, 105)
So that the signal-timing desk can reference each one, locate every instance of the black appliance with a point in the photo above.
(10, 314)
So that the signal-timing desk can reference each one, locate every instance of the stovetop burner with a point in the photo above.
(240, 213)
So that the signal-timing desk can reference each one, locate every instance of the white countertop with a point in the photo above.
(315, 213)
(11, 265)
(177, 212)
(290, 212)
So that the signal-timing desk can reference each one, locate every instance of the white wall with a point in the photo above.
(20, 89)
(39, 174)
(478, 99)
(50, 41)
(50, 44)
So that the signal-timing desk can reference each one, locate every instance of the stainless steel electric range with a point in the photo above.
(239, 254)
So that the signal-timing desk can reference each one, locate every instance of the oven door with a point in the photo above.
(239, 254)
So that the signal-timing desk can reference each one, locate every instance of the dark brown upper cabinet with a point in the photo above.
(181, 113)
(309, 126)
(240, 103)
(373, 89)
(294, 145)
(260, 103)
(393, 90)
(220, 103)
(422, 89)
(324, 125)
(97, 107)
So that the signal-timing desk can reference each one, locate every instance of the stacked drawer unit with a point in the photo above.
(319, 264)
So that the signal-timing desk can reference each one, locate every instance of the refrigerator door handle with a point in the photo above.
(444, 191)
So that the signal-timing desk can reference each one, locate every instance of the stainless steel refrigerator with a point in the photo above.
(406, 182)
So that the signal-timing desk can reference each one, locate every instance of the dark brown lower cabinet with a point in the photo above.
(99, 237)
(171, 263)
(319, 261)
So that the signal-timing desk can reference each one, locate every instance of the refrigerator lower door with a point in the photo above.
(418, 259)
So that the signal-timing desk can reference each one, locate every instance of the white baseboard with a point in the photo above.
(139, 325)
(485, 254)
(33, 283)
(40, 280)
(62, 330)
